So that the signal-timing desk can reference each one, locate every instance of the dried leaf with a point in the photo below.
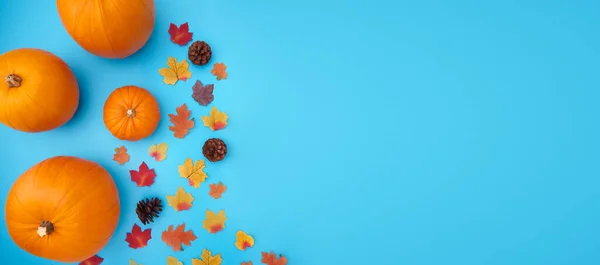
(216, 120)
(193, 172)
(121, 155)
(216, 190)
(133, 262)
(138, 238)
(173, 261)
(220, 71)
(144, 177)
(175, 71)
(272, 259)
(208, 259)
(243, 240)
(203, 94)
(246, 263)
(94, 260)
(181, 122)
(214, 222)
(158, 152)
(175, 238)
(180, 35)
(181, 201)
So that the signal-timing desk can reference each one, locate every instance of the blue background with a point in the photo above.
(361, 132)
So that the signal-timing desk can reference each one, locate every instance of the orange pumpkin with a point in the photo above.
(131, 113)
(63, 209)
(109, 29)
(38, 92)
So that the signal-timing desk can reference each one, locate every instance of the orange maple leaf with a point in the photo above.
(220, 71)
(181, 121)
(121, 155)
(272, 259)
(175, 238)
(246, 263)
(216, 190)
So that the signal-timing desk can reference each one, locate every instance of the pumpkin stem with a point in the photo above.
(45, 228)
(130, 113)
(13, 80)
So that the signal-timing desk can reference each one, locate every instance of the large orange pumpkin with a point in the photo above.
(63, 209)
(110, 29)
(38, 90)
(131, 113)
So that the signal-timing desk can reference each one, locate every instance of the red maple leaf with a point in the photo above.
(272, 259)
(137, 238)
(180, 35)
(144, 177)
(94, 260)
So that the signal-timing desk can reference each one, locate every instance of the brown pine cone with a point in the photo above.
(148, 209)
(214, 149)
(199, 52)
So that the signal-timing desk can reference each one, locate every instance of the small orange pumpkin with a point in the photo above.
(109, 29)
(38, 92)
(131, 113)
(64, 209)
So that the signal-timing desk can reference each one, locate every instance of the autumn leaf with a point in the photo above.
(144, 177)
(93, 260)
(219, 70)
(214, 222)
(175, 71)
(208, 259)
(158, 152)
(138, 238)
(175, 238)
(121, 155)
(180, 35)
(272, 259)
(216, 120)
(203, 94)
(181, 121)
(133, 262)
(246, 263)
(173, 261)
(193, 172)
(216, 190)
(181, 201)
(243, 240)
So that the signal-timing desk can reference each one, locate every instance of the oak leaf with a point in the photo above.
(216, 120)
(173, 261)
(208, 259)
(175, 71)
(133, 262)
(181, 201)
(93, 260)
(158, 152)
(178, 237)
(138, 238)
(193, 172)
(181, 121)
(214, 222)
(180, 35)
(121, 155)
(144, 177)
(272, 259)
(216, 190)
(243, 240)
(219, 70)
(203, 94)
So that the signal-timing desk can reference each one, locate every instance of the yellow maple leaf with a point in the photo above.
(158, 152)
(132, 262)
(193, 172)
(208, 259)
(181, 201)
(175, 71)
(243, 240)
(173, 261)
(216, 121)
(214, 222)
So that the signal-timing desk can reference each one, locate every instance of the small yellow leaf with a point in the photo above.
(181, 201)
(173, 261)
(193, 172)
(208, 259)
(132, 262)
(158, 152)
(243, 240)
(214, 222)
(216, 121)
(175, 71)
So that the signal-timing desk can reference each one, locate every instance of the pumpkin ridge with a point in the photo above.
(100, 8)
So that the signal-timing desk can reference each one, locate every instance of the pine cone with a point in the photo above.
(199, 53)
(148, 209)
(214, 149)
